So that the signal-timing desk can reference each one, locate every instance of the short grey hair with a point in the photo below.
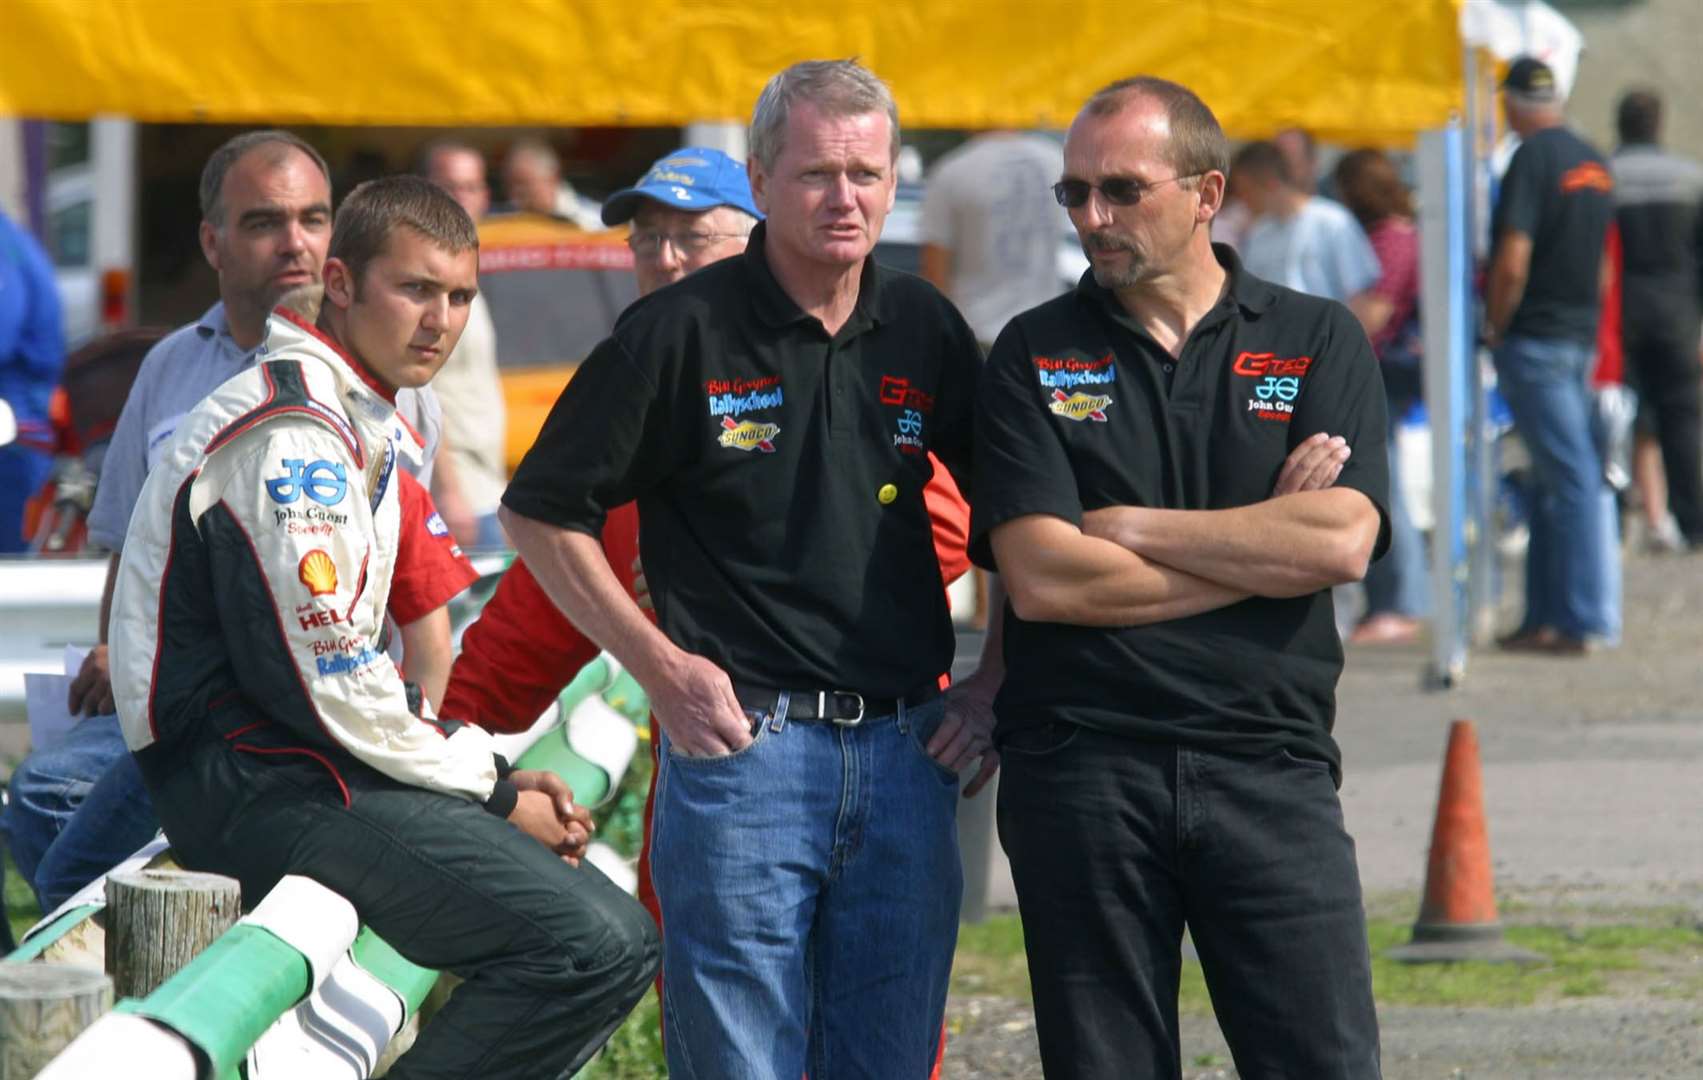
(837, 87)
(233, 151)
(742, 223)
(1197, 144)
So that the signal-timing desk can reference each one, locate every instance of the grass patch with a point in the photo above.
(634, 1052)
(21, 909)
(990, 960)
(1585, 961)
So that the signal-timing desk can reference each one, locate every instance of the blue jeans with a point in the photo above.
(809, 887)
(1569, 562)
(76, 810)
(1117, 844)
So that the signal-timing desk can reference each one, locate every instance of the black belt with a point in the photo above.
(844, 707)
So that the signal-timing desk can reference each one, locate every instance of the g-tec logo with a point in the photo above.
(748, 435)
(1079, 406)
(322, 481)
(1258, 365)
(896, 390)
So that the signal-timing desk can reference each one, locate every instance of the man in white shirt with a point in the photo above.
(1298, 239)
(991, 228)
(469, 387)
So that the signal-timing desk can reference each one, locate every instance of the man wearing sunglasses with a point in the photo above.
(1156, 480)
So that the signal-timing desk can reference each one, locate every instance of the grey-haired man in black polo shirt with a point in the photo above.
(773, 414)
(1164, 725)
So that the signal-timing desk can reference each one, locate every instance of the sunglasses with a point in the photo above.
(1118, 190)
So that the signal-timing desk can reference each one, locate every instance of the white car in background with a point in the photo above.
(70, 242)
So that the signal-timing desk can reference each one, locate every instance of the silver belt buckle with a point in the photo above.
(822, 697)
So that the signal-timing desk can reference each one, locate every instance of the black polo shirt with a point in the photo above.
(779, 471)
(1559, 192)
(1081, 409)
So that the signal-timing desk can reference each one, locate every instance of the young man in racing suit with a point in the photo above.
(273, 732)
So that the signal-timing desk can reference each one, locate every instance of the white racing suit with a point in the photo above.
(258, 563)
(276, 737)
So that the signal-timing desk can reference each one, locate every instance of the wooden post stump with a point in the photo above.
(42, 1008)
(159, 920)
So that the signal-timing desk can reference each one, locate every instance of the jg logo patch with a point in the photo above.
(1283, 389)
(322, 481)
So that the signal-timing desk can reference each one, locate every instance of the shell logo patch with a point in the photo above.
(1079, 406)
(748, 435)
(318, 573)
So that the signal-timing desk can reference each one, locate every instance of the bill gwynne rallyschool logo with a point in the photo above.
(1080, 406)
(730, 398)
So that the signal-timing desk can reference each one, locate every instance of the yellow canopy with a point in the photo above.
(1349, 70)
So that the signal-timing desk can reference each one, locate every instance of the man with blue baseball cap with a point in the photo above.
(692, 208)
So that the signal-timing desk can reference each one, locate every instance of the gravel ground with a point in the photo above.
(1592, 792)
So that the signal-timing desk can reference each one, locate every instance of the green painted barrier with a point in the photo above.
(628, 698)
(590, 783)
(410, 981)
(227, 997)
(39, 941)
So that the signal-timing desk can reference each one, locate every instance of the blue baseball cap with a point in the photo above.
(691, 178)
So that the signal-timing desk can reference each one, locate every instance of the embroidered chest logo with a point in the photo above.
(1071, 370)
(322, 481)
(318, 572)
(1277, 383)
(1586, 177)
(914, 407)
(748, 435)
(732, 398)
(1079, 406)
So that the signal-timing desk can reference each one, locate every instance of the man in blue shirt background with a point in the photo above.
(32, 351)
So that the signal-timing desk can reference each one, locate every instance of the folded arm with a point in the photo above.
(1289, 545)
(1055, 572)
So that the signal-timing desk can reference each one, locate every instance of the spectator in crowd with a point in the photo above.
(991, 228)
(785, 531)
(692, 208)
(1374, 193)
(1299, 239)
(532, 180)
(1542, 304)
(1300, 156)
(78, 807)
(1231, 224)
(1174, 465)
(468, 387)
(1659, 208)
(32, 351)
(275, 746)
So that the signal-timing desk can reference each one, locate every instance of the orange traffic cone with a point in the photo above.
(1457, 920)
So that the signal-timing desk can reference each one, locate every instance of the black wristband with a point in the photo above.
(503, 766)
(503, 798)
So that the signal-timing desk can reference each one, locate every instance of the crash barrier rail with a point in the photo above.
(47, 604)
(293, 989)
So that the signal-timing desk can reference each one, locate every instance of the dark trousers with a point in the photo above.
(554, 957)
(1666, 376)
(1116, 844)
